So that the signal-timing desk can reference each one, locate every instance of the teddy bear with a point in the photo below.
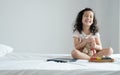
(88, 50)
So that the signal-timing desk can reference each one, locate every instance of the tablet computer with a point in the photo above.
(62, 60)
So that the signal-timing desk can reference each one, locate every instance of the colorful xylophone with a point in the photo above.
(101, 59)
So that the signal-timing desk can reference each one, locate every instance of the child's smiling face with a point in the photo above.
(87, 18)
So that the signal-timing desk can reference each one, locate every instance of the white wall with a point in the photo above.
(45, 26)
(119, 26)
(108, 20)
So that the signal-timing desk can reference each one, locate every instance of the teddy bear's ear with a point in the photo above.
(85, 50)
(87, 46)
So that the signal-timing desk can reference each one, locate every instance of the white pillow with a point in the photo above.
(4, 49)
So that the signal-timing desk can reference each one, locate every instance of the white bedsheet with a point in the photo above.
(35, 64)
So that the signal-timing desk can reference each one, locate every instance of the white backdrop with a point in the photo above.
(45, 26)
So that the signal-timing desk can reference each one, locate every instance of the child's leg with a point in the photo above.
(79, 55)
(105, 52)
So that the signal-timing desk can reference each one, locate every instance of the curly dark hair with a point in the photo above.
(79, 25)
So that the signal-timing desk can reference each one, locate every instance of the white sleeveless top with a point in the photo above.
(83, 35)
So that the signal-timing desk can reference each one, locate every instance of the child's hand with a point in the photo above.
(91, 39)
(85, 40)
(93, 45)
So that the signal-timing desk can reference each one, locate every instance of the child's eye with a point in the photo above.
(86, 15)
(91, 17)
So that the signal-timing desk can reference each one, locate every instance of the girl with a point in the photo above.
(86, 35)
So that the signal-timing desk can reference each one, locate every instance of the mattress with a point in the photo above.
(36, 64)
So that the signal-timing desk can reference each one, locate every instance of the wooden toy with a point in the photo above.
(101, 59)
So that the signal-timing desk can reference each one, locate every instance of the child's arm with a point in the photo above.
(79, 43)
(96, 43)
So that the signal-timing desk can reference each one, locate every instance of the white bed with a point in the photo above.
(36, 64)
